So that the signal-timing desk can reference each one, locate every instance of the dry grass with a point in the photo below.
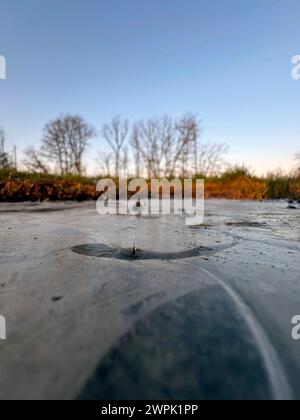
(234, 184)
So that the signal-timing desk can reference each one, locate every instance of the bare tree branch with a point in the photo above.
(5, 159)
(104, 162)
(115, 134)
(34, 161)
(212, 159)
(65, 141)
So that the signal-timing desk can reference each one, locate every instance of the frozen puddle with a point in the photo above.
(201, 312)
(133, 254)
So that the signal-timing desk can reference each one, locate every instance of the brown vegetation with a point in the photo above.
(236, 183)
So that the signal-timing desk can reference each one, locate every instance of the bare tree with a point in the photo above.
(136, 149)
(34, 161)
(125, 161)
(167, 140)
(5, 160)
(104, 162)
(115, 134)
(165, 147)
(141, 150)
(152, 142)
(65, 141)
(212, 159)
(188, 128)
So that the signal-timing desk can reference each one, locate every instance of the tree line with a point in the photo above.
(7, 160)
(152, 148)
(155, 147)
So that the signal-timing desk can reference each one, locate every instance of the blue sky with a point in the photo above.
(227, 60)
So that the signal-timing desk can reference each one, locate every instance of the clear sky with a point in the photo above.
(227, 60)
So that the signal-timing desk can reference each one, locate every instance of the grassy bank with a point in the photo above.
(239, 183)
(234, 184)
